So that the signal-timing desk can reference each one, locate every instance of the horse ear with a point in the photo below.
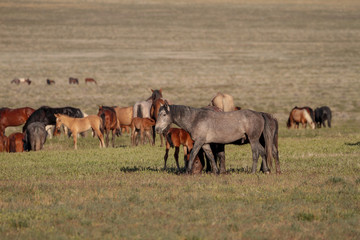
(160, 90)
(151, 90)
(166, 105)
(56, 115)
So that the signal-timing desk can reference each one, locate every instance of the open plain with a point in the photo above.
(270, 55)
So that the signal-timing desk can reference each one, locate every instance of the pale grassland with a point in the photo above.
(270, 55)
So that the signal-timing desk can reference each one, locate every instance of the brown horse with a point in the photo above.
(15, 142)
(300, 115)
(124, 115)
(50, 82)
(110, 123)
(17, 81)
(144, 125)
(73, 80)
(3, 143)
(13, 117)
(174, 138)
(78, 125)
(224, 101)
(90, 80)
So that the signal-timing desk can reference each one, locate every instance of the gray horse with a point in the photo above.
(35, 136)
(206, 126)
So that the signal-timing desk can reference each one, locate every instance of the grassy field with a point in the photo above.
(269, 55)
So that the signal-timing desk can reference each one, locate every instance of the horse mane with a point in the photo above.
(308, 117)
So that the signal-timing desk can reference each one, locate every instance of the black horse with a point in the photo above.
(45, 115)
(206, 127)
(323, 114)
(35, 136)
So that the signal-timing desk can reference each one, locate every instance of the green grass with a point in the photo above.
(123, 192)
(269, 55)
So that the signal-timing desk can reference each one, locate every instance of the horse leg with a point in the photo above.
(166, 156)
(255, 148)
(176, 156)
(100, 136)
(207, 149)
(193, 154)
(185, 156)
(75, 141)
(107, 137)
(221, 155)
(113, 132)
(148, 135)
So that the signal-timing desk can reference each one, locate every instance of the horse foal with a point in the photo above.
(144, 125)
(79, 125)
(174, 138)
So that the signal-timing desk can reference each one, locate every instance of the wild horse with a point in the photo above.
(13, 117)
(205, 127)
(45, 115)
(111, 123)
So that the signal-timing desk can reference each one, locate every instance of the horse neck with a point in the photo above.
(183, 116)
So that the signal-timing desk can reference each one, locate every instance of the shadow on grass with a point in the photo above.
(174, 170)
(353, 144)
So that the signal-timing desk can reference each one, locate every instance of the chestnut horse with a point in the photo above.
(124, 115)
(300, 115)
(73, 80)
(174, 138)
(78, 125)
(13, 117)
(15, 142)
(144, 125)
(110, 123)
(90, 80)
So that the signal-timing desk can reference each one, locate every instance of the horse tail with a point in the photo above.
(102, 123)
(309, 119)
(269, 140)
(168, 138)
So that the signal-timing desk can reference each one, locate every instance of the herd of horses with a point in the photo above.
(72, 80)
(306, 115)
(203, 132)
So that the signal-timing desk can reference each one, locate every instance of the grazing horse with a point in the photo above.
(15, 142)
(3, 143)
(90, 80)
(17, 81)
(13, 117)
(78, 125)
(110, 123)
(35, 136)
(144, 125)
(323, 114)
(224, 101)
(124, 115)
(50, 82)
(299, 115)
(207, 127)
(45, 115)
(73, 80)
(174, 138)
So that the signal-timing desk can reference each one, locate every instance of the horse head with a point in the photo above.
(164, 118)
(58, 121)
